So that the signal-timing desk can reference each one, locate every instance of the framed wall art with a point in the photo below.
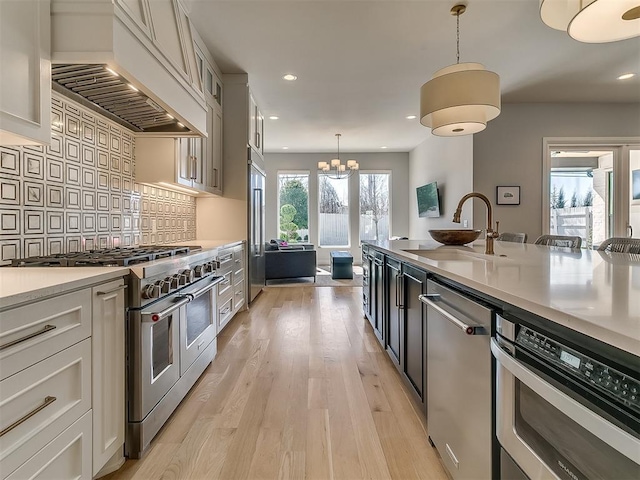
(508, 195)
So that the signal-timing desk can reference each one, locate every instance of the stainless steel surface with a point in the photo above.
(505, 328)
(467, 327)
(570, 439)
(43, 330)
(139, 434)
(459, 382)
(47, 401)
(153, 315)
(111, 95)
(256, 229)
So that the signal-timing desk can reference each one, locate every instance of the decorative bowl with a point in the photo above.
(455, 237)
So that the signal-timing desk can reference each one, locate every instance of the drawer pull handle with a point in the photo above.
(121, 287)
(45, 329)
(225, 310)
(47, 401)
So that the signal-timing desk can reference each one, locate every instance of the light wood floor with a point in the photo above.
(300, 388)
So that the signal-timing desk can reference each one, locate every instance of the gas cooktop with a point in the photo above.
(108, 257)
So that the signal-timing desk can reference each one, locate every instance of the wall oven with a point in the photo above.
(567, 408)
(166, 338)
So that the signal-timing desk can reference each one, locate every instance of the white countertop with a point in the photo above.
(594, 293)
(26, 284)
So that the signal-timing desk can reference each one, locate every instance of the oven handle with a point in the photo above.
(206, 288)
(623, 442)
(152, 317)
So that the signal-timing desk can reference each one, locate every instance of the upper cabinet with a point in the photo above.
(256, 126)
(25, 76)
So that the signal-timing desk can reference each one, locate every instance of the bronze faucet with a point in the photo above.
(490, 234)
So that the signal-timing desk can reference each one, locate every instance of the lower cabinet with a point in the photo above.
(108, 371)
(414, 337)
(66, 456)
(366, 282)
(393, 309)
(231, 290)
(377, 295)
(62, 384)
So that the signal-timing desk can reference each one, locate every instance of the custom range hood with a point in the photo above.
(109, 58)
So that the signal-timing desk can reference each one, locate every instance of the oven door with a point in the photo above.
(550, 435)
(155, 356)
(198, 325)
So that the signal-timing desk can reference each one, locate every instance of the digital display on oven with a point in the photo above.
(569, 359)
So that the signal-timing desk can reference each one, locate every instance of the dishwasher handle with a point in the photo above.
(467, 328)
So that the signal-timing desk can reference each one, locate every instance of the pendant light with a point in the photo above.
(593, 21)
(336, 169)
(460, 99)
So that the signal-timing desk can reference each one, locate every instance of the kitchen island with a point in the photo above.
(594, 293)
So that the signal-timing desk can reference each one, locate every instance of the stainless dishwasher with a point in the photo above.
(459, 384)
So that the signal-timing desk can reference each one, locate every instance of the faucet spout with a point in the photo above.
(490, 233)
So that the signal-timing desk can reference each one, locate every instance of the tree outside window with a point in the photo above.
(333, 211)
(293, 203)
(374, 206)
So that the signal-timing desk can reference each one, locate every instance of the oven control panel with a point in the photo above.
(609, 380)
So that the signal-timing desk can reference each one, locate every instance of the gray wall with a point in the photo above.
(509, 152)
(397, 163)
(448, 161)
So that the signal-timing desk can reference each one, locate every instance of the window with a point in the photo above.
(374, 206)
(293, 207)
(333, 209)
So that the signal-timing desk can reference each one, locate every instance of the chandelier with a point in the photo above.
(460, 99)
(336, 169)
(593, 21)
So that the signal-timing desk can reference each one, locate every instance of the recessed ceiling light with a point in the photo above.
(411, 117)
(285, 148)
(273, 117)
(133, 88)
(170, 116)
(290, 77)
(626, 76)
(384, 147)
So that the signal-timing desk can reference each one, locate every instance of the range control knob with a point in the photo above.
(165, 285)
(186, 276)
(175, 281)
(200, 271)
(151, 291)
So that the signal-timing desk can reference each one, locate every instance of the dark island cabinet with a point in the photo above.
(366, 281)
(393, 309)
(413, 361)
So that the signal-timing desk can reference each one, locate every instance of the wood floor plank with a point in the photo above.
(265, 464)
(318, 461)
(292, 466)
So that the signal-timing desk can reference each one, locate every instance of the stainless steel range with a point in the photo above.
(171, 328)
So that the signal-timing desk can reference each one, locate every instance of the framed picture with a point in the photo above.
(507, 195)
(635, 186)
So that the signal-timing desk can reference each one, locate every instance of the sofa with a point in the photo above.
(293, 261)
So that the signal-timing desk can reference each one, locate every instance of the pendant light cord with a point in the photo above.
(457, 38)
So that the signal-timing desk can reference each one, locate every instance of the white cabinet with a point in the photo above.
(256, 126)
(170, 162)
(62, 388)
(25, 76)
(108, 371)
(214, 148)
(231, 291)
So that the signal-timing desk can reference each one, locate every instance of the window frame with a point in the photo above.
(377, 172)
(348, 244)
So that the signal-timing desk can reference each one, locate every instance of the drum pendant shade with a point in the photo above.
(460, 100)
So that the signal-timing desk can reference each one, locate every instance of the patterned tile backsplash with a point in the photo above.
(79, 193)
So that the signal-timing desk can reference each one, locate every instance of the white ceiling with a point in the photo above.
(360, 64)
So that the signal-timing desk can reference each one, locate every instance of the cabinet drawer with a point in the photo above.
(238, 295)
(225, 312)
(238, 275)
(48, 397)
(34, 332)
(67, 456)
(225, 286)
